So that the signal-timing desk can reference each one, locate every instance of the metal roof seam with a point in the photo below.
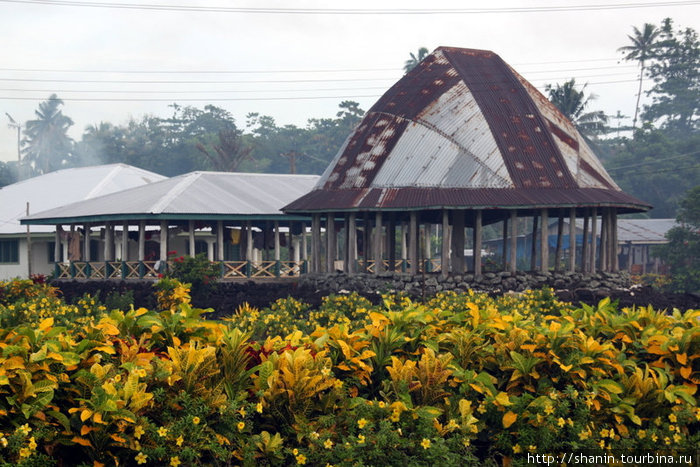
(167, 198)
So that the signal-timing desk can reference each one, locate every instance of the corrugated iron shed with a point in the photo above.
(463, 129)
(196, 195)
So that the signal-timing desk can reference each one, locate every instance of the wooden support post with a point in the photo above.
(458, 241)
(404, 246)
(108, 242)
(366, 241)
(142, 241)
(163, 240)
(57, 250)
(330, 242)
(351, 252)
(572, 240)
(277, 240)
(477, 242)
(604, 249)
(445, 252)
(513, 241)
(125, 241)
(428, 254)
(304, 248)
(504, 249)
(316, 243)
(378, 243)
(594, 240)
(585, 247)
(560, 238)
(190, 232)
(613, 227)
(413, 243)
(544, 241)
(533, 250)
(391, 242)
(249, 241)
(219, 240)
(86, 243)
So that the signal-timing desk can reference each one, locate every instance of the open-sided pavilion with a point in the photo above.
(460, 142)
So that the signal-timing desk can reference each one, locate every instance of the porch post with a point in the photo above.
(572, 240)
(613, 226)
(413, 242)
(220, 240)
(533, 251)
(458, 241)
(109, 242)
(351, 252)
(477, 242)
(513, 266)
(57, 250)
(445, 251)
(604, 240)
(505, 244)
(86, 243)
(594, 239)
(316, 243)
(585, 247)
(391, 242)
(190, 231)
(544, 241)
(304, 251)
(163, 240)
(125, 241)
(560, 238)
(330, 242)
(378, 255)
(142, 241)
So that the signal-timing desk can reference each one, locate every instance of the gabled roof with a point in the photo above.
(196, 195)
(64, 187)
(463, 129)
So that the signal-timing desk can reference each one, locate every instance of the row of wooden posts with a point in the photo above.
(380, 232)
(379, 240)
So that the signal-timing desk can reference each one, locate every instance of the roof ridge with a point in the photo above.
(106, 179)
(181, 186)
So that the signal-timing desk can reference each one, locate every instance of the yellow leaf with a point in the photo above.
(97, 417)
(86, 430)
(565, 368)
(117, 438)
(682, 358)
(686, 371)
(81, 441)
(503, 399)
(109, 329)
(141, 311)
(509, 418)
(45, 324)
(530, 347)
(97, 464)
(85, 414)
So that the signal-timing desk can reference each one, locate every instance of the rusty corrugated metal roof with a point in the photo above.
(463, 129)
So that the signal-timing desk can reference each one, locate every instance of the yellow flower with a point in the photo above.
(395, 415)
(314, 435)
(517, 449)
(141, 372)
(179, 440)
(601, 443)
(677, 438)
(25, 452)
(381, 404)
(326, 372)
(337, 384)
(667, 440)
(604, 433)
(175, 461)
(25, 429)
(361, 423)
(196, 420)
(360, 439)
(549, 410)
(117, 378)
(301, 459)
(3, 441)
(259, 407)
(242, 411)
(642, 434)
(561, 422)
(240, 426)
(672, 418)
(138, 431)
(141, 458)
(583, 435)
(295, 451)
(32, 443)
(671, 428)
(328, 444)
(466, 442)
(162, 431)
(654, 438)
(532, 448)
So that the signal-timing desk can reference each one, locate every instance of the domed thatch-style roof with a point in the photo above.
(464, 130)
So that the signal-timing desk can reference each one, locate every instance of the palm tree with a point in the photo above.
(641, 50)
(573, 103)
(413, 62)
(47, 144)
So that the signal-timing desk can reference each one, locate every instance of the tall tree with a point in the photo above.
(641, 50)
(675, 71)
(574, 103)
(47, 146)
(413, 62)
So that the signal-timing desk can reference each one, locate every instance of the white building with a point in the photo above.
(47, 192)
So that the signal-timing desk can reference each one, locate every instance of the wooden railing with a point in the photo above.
(401, 265)
(155, 269)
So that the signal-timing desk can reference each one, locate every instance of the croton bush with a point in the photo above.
(457, 380)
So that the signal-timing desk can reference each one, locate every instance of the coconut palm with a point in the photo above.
(641, 50)
(47, 145)
(413, 62)
(573, 103)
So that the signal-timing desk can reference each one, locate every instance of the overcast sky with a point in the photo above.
(294, 60)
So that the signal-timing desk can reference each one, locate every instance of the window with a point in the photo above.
(9, 250)
(51, 250)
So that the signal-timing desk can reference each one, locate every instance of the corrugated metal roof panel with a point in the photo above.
(644, 230)
(195, 193)
(64, 187)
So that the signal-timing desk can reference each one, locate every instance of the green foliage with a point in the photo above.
(682, 252)
(197, 271)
